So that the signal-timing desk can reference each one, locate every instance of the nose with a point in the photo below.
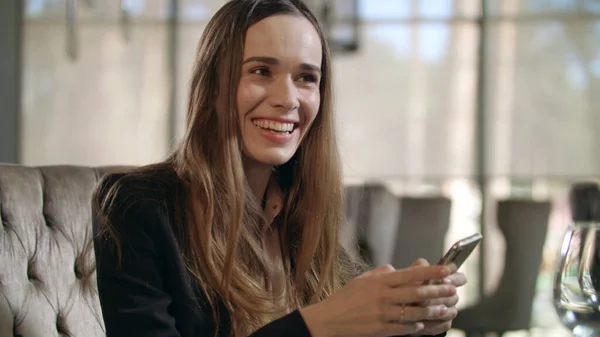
(284, 95)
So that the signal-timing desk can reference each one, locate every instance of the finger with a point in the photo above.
(416, 274)
(447, 301)
(409, 314)
(402, 329)
(440, 326)
(436, 327)
(456, 279)
(420, 262)
(386, 268)
(420, 294)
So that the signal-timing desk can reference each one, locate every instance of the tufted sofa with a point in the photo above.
(47, 272)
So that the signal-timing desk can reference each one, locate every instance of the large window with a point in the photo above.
(95, 87)
(406, 101)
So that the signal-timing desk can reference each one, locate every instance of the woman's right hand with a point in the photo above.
(378, 303)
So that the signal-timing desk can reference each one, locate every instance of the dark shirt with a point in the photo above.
(151, 294)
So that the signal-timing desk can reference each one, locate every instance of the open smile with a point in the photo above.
(277, 127)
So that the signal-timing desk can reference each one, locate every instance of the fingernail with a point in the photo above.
(442, 310)
(447, 281)
(446, 271)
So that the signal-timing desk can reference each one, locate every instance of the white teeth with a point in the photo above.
(273, 125)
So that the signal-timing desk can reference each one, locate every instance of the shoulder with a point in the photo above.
(135, 199)
(153, 185)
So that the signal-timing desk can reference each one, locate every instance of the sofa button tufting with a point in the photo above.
(30, 275)
(15, 332)
(61, 327)
(46, 225)
(78, 272)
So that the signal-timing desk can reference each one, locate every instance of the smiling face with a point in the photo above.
(278, 95)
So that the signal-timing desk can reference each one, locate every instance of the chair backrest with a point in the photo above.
(524, 224)
(351, 235)
(359, 204)
(380, 216)
(47, 269)
(421, 230)
(398, 230)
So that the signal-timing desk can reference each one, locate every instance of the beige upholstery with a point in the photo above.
(47, 276)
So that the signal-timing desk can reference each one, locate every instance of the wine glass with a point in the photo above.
(577, 280)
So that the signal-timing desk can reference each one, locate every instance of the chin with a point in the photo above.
(271, 158)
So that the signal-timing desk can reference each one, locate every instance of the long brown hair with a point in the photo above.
(222, 242)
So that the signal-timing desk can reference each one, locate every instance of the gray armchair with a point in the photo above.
(524, 224)
(47, 272)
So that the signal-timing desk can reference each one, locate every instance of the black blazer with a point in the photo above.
(151, 294)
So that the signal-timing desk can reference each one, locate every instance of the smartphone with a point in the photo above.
(460, 251)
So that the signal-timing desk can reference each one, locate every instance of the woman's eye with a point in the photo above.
(308, 78)
(261, 71)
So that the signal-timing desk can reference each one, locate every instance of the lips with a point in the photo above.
(281, 132)
(282, 127)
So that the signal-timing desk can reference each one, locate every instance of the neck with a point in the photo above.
(258, 176)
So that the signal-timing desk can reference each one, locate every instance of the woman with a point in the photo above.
(237, 232)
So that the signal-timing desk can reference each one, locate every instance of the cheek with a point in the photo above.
(242, 100)
(313, 102)
(247, 96)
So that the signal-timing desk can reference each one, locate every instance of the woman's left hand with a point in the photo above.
(441, 326)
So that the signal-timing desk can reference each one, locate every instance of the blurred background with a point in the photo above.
(447, 106)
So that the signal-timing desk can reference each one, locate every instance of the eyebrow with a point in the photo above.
(274, 61)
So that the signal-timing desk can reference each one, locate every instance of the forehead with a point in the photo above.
(286, 37)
